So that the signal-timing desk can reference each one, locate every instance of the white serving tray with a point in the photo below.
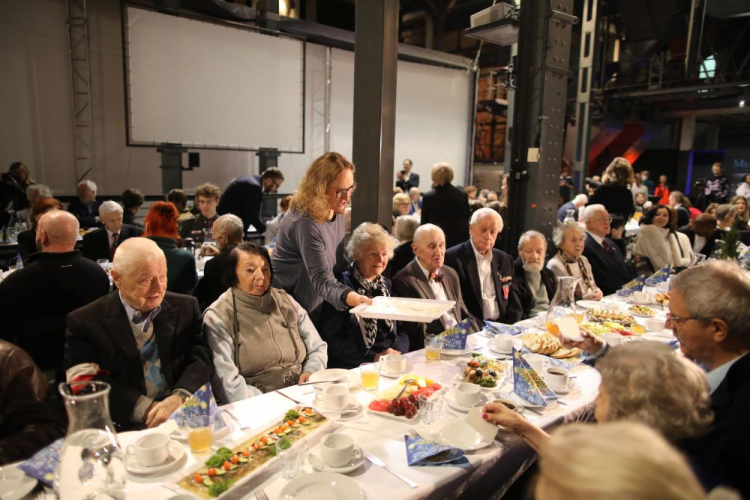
(400, 309)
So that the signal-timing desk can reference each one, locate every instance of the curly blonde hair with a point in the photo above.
(619, 173)
(442, 174)
(207, 190)
(310, 197)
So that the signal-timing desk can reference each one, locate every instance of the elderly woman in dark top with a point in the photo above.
(262, 340)
(353, 340)
(228, 233)
(161, 227)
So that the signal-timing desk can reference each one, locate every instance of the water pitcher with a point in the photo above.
(563, 304)
(91, 462)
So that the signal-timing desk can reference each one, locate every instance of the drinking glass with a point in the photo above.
(291, 457)
(370, 373)
(432, 348)
(200, 432)
(430, 406)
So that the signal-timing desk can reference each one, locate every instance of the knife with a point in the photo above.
(320, 382)
(376, 461)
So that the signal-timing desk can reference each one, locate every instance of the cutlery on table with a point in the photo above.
(261, 495)
(236, 420)
(330, 381)
(376, 461)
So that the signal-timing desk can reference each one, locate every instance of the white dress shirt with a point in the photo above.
(698, 243)
(598, 239)
(490, 308)
(449, 319)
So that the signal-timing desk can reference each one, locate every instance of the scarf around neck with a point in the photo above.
(376, 288)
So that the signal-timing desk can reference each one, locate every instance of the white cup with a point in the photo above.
(334, 397)
(394, 363)
(537, 362)
(655, 324)
(150, 450)
(611, 306)
(612, 339)
(556, 378)
(337, 450)
(502, 343)
(467, 395)
(640, 297)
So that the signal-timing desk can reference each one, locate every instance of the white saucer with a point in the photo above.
(450, 398)
(409, 368)
(319, 465)
(459, 434)
(322, 486)
(352, 410)
(341, 376)
(571, 386)
(506, 354)
(456, 352)
(176, 453)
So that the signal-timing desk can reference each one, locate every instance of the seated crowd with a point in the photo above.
(256, 322)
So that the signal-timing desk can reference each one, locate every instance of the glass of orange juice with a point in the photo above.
(370, 373)
(200, 432)
(432, 348)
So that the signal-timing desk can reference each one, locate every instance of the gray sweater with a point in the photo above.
(304, 259)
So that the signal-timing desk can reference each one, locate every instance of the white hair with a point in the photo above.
(590, 211)
(426, 229)
(367, 234)
(530, 235)
(231, 225)
(109, 207)
(413, 190)
(561, 232)
(486, 212)
(90, 184)
(135, 251)
(404, 227)
(42, 190)
(580, 199)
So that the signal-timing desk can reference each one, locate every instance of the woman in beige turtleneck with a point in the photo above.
(659, 242)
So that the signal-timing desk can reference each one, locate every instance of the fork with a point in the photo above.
(261, 495)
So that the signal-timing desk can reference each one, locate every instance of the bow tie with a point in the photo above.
(436, 278)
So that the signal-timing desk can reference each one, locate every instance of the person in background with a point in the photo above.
(27, 423)
(27, 239)
(13, 186)
(132, 199)
(606, 259)
(569, 238)
(486, 273)
(638, 187)
(206, 199)
(575, 204)
(685, 202)
(55, 281)
(743, 213)
(566, 183)
(306, 253)
(659, 242)
(645, 174)
(591, 186)
(228, 234)
(416, 201)
(179, 199)
(662, 191)
(536, 284)
(446, 206)
(726, 216)
(101, 243)
(717, 187)
(744, 188)
(711, 209)
(406, 179)
(403, 231)
(701, 233)
(617, 233)
(34, 193)
(640, 201)
(261, 338)
(86, 206)
(682, 212)
(272, 228)
(142, 340)
(353, 340)
(161, 227)
(471, 192)
(614, 192)
(243, 197)
(492, 196)
(401, 205)
(427, 278)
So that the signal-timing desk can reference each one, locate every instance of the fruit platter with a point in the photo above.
(389, 404)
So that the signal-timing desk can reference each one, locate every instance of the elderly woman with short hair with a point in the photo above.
(569, 238)
(262, 340)
(353, 340)
(228, 233)
(403, 231)
(446, 206)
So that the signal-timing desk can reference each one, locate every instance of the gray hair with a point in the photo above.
(231, 226)
(486, 212)
(413, 190)
(590, 211)
(702, 285)
(42, 190)
(427, 229)
(367, 234)
(109, 207)
(725, 211)
(530, 235)
(90, 184)
(404, 228)
(649, 383)
(561, 231)
(133, 252)
(580, 198)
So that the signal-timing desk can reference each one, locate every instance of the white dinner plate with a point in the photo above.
(450, 398)
(341, 376)
(176, 453)
(642, 315)
(14, 483)
(322, 486)
(409, 368)
(352, 410)
(589, 304)
(317, 462)
(458, 433)
(458, 378)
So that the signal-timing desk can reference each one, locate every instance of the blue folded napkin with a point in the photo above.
(43, 464)
(200, 403)
(455, 336)
(528, 384)
(423, 453)
(503, 329)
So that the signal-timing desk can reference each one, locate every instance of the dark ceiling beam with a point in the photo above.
(676, 90)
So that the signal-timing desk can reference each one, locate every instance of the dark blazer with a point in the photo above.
(128, 217)
(243, 198)
(527, 296)
(447, 207)
(181, 273)
(616, 199)
(407, 185)
(27, 243)
(101, 333)
(609, 268)
(96, 243)
(198, 223)
(562, 212)
(461, 258)
(402, 255)
(85, 217)
(35, 300)
(411, 282)
(211, 285)
(342, 332)
(707, 249)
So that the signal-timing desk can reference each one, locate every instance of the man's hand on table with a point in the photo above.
(304, 377)
(387, 351)
(209, 251)
(159, 412)
(594, 295)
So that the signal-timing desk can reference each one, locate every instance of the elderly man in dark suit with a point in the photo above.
(406, 179)
(86, 206)
(446, 206)
(243, 197)
(142, 340)
(606, 258)
(485, 273)
(536, 283)
(102, 243)
(426, 278)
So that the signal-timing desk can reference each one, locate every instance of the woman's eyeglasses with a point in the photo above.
(342, 193)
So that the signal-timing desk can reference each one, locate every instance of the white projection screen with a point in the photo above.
(212, 86)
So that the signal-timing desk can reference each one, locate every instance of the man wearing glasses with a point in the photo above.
(709, 311)
(243, 197)
(606, 258)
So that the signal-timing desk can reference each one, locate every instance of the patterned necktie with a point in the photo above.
(606, 246)
(113, 247)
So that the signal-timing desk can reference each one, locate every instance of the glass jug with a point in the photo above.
(569, 215)
(563, 304)
(91, 464)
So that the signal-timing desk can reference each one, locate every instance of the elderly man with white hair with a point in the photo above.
(86, 207)
(606, 258)
(102, 243)
(486, 273)
(145, 342)
(228, 233)
(536, 284)
(575, 205)
(426, 278)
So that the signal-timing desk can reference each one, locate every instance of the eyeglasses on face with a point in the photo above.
(679, 320)
(342, 193)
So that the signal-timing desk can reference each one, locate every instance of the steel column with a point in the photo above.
(583, 99)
